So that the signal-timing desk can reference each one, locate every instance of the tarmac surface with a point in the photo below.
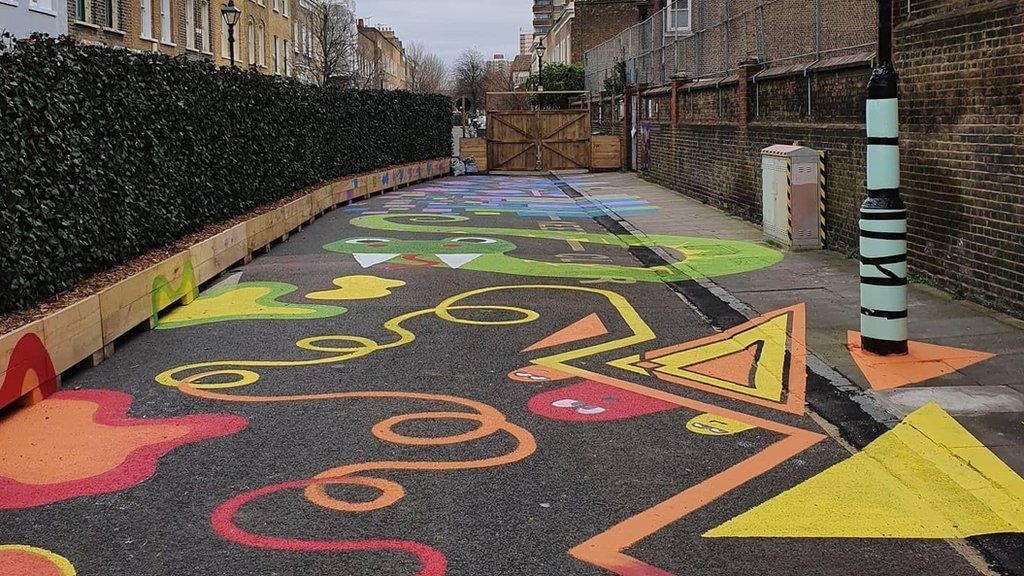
(472, 376)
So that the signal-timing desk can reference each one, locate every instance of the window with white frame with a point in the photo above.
(250, 42)
(677, 17)
(284, 55)
(38, 4)
(261, 44)
(146, 18)
(284, 7)
(277, 57)
(204, 25)
(225, 48)
(165, 21)
(190, 24)
(277, 6)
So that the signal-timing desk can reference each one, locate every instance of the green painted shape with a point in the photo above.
(705, 257)
(164, 294)
(246, 301)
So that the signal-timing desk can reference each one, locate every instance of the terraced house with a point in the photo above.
(168, 26)
(381, 61)
(263, 37)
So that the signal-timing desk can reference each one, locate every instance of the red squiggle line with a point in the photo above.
(434, 562)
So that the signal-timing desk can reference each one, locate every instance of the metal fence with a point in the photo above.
(709, 38)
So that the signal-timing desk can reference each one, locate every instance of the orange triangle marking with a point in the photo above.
(924, 362)
(763, 361)
(588, 327)
(738, 367)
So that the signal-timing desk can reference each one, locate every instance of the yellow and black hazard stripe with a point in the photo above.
(789, 200)
(822, 198)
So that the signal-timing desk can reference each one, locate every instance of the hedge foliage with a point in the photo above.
(106, 154)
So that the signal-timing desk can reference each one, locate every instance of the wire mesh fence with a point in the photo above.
(709, 38)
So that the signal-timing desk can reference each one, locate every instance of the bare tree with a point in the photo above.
(499, 78)
(334, 39)
(370, 72)
(427, 73)
(469, 77)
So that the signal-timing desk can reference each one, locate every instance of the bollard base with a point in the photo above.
(884, 347)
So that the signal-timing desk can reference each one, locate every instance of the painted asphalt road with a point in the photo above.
(447, 379)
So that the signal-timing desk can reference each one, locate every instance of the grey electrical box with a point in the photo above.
(790, 196)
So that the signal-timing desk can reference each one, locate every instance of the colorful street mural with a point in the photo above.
(585, 359)
(164, 292)
(481, 249)
(81, 443)
(358, 288)
(487, 196)
(598, 397)
(245, 301)
(29, 372)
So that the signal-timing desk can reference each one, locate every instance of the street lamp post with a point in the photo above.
(231, 15)
(540, 64)
(883, 216)
(540, 49)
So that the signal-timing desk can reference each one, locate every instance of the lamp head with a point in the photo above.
(231, 13)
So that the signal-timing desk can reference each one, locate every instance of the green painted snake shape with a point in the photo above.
(475, 248)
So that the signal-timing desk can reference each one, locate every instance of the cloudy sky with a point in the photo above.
(447, 27)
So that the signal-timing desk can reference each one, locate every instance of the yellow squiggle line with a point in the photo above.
(364, 346)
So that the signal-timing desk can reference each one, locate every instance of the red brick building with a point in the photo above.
(599, 20)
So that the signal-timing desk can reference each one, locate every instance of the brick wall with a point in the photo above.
(961, 64)
(128, 30)
(710, 155)
(599, 20)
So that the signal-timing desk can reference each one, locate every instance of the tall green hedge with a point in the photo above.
(105, 154)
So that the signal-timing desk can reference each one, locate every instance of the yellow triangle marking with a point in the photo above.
(627, 364)
(926, 478)
(768, 380)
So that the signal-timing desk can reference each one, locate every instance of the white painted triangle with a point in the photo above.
(228, 281)
(457, 260)
(370, 260)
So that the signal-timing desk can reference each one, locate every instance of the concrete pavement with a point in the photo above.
(986, 396)
(500, 376)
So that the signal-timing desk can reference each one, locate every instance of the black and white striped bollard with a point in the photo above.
(883, 216)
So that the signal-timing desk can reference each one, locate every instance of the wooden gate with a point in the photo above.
(538, 140)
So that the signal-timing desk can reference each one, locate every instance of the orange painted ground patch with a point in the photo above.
(29, 561)
(82, 443)
(924, 362)
(738, 367)
(37, 453)
(762, 362)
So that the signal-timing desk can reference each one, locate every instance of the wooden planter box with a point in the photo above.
(88, 329)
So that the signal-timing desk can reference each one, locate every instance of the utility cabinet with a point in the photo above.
(791, 196)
